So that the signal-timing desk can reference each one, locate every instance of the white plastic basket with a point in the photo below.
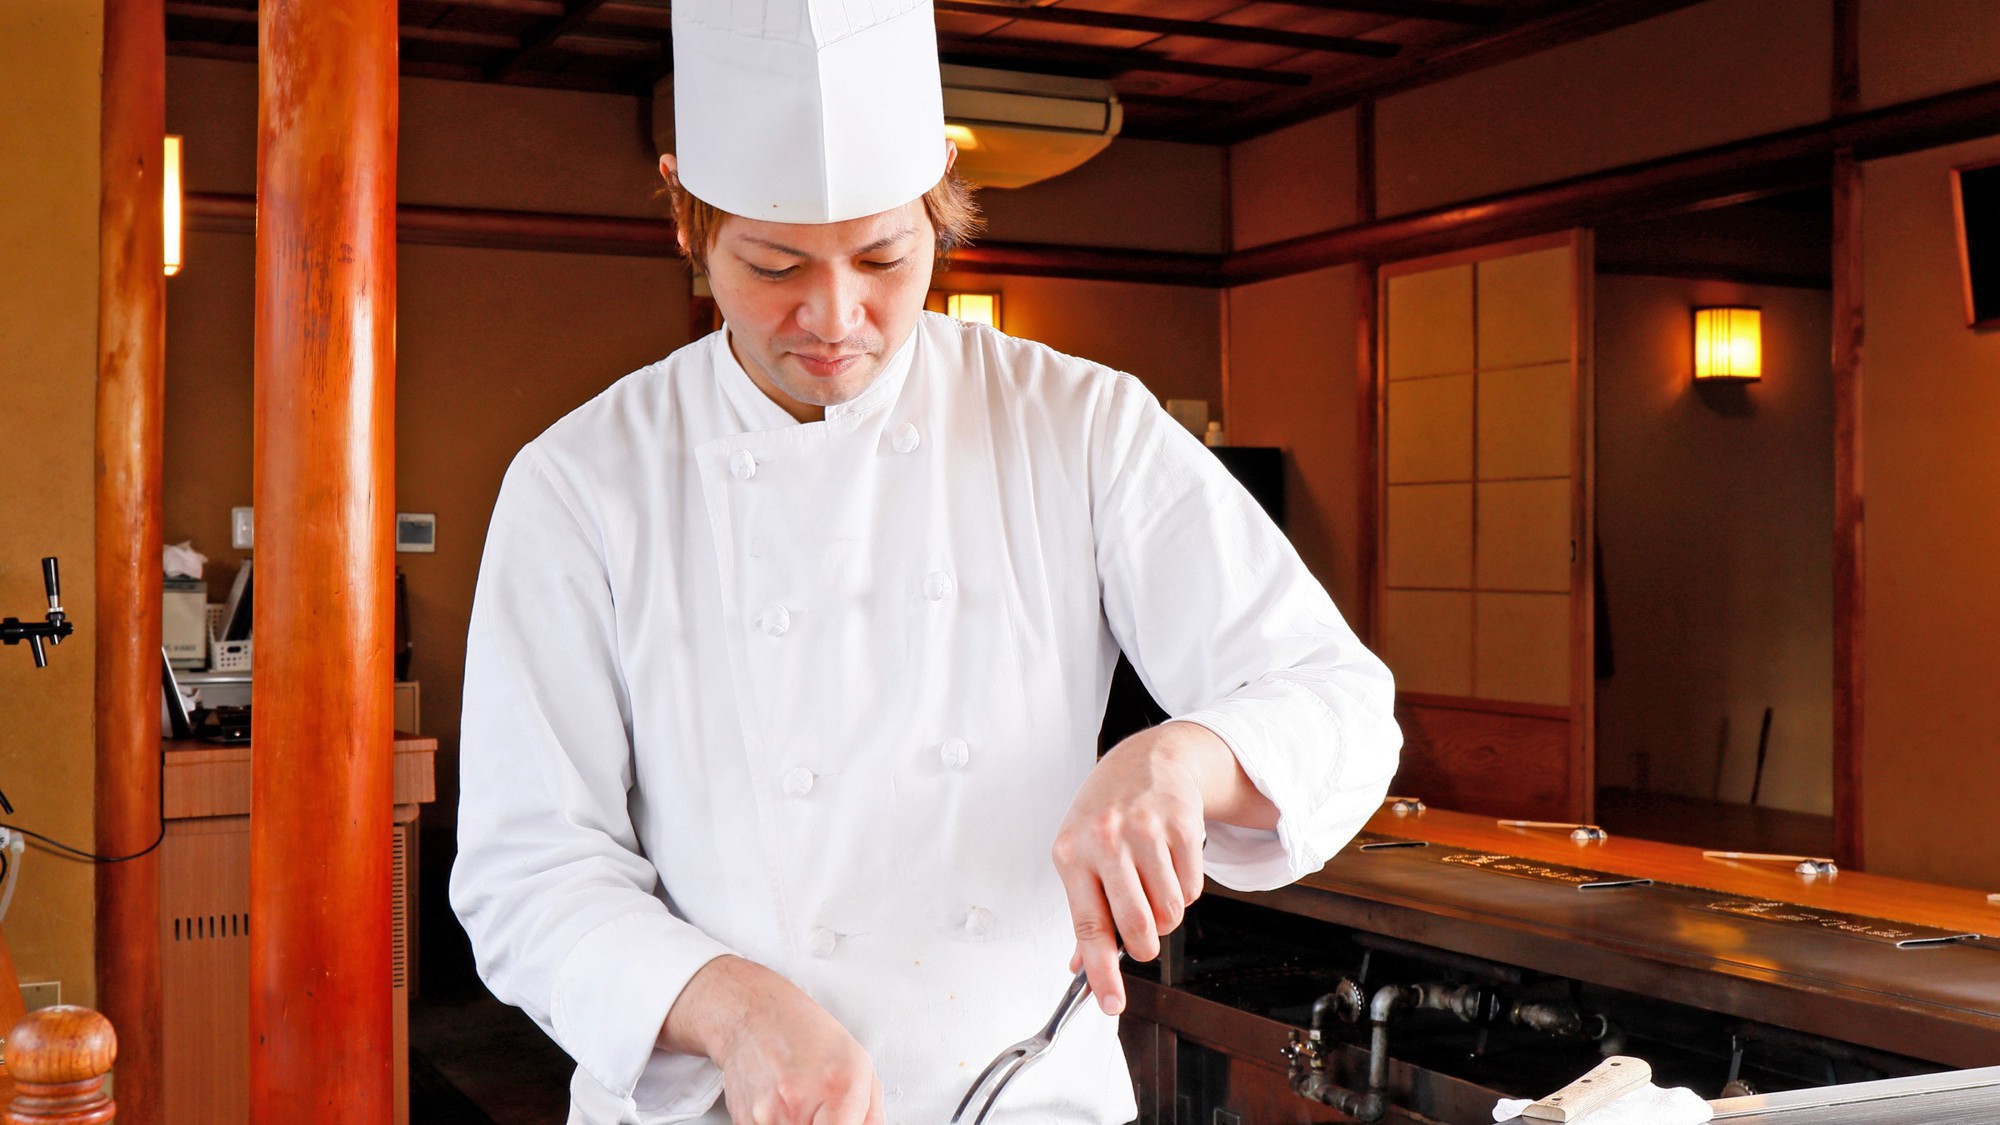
(229, 656)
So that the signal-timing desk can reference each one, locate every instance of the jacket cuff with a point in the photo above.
(1298, 782)
(613, 993)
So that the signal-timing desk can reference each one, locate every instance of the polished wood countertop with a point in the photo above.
(203, 779)
(1847, 892)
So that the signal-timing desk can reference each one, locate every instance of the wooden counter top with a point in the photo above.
(203, 779)
(1849, 892)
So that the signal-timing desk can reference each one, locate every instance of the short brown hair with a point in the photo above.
(953, 211)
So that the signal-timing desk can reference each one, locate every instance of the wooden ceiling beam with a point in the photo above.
(617, 47)
(575, 14)
(1156, 25)
(1437, 11)
(1098, 61)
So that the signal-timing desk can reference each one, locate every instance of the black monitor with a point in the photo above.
(1975, 193)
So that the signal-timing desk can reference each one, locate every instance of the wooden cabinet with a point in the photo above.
(205, 925)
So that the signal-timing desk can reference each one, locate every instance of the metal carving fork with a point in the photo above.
(1016, 1058)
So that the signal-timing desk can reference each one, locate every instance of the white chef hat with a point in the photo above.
(807, 111)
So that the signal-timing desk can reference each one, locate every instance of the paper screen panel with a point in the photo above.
(1525, 308)
(1524, 535)
(1430, 536)
(1430, 429)
(1427, 640)
(1430, 323)
(1527, 419)
(1521, 650)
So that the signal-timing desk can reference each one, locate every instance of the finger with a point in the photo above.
(1162, 886)
(1096, 938)
(848, 1106)
(877, 1115)
(1131, 911)
(1186, 845)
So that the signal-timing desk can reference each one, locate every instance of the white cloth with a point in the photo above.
(807, 111)
(1645, 1105)
(820, 695)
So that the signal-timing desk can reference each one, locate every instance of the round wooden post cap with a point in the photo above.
(65, 1043)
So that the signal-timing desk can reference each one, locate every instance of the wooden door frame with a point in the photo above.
(1582, 710)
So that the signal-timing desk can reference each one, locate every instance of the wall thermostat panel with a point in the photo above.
(416, 532)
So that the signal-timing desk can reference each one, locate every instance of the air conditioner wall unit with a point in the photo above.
(1016, 129)
(1012, 129)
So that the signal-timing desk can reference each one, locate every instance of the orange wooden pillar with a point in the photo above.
(131, 342)
(320, 1016)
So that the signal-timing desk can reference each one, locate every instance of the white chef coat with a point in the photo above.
(820, 694)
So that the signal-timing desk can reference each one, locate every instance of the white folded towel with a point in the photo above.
(1646, 1105)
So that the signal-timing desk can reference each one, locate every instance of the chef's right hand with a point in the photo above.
(784, 1059)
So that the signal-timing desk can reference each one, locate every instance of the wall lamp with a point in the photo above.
(1729, 344)
(172, 205)
(974, 308)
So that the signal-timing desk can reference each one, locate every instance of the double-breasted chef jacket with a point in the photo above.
(820, 694)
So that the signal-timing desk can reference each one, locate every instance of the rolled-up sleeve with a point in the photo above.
(1228, 629)
(563, 908)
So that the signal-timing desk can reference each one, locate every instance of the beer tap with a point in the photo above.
(54, 627)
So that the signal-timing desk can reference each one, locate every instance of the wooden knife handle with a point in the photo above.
(1606, 1083)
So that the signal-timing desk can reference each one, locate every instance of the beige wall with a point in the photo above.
(1706, 74)
(1715, 514)
(50, 53)
(1144, 195)
(1292, 385)
(1930, 772)
(1915, 48)
(1298, 180)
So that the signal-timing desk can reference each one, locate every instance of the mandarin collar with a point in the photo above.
(761, 413)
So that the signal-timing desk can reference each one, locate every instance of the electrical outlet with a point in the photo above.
(42, 994)
(242, 528)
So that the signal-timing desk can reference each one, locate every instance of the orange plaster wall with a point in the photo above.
(1915, 48)
(1292, 384)
(1715, 515)
(50, 58)
(1700, 76)
(1298, 180)
(1930, 763)
(1144, 195)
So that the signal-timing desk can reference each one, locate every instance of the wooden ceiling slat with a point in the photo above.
(1196, 70)
(538, 38)
(1439, 11)
(1198, 29)
(988, 51)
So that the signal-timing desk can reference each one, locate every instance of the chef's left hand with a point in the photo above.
(1129, 852)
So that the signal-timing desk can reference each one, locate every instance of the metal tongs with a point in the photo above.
(1016, 1058)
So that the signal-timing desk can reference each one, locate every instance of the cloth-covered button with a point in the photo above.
(978, 921)
(798, 781)
(906, 438)
(938, 585)
(775, 621)
(742, 465)
(821, 941)
(846, 423)
(954, 753)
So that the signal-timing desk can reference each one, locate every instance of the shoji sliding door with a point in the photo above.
(1484, 564)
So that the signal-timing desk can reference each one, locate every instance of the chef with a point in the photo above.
(780, 794)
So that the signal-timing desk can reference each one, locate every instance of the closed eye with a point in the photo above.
(772, 275)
